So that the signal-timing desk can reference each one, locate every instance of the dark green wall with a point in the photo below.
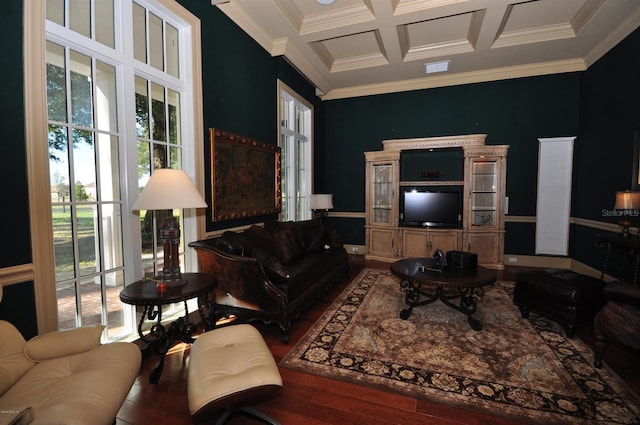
(240, 86)
(512, 112)
(18, 302)
(609, 112)
(14, 214)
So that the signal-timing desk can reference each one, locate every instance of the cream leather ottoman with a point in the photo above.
(229, 369)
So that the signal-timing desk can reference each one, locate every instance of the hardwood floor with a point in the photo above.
(308, 399)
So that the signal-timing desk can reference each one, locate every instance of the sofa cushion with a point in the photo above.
(271, 264)
(234, 243)
(310, 268)
(313, 235)
(289, 245)
(265, 249)
(13, 363)
(258, 237)
(63, 343)
(86, 388)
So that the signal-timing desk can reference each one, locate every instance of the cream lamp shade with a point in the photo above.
(169, 189)
(321, 201)
(627, 200)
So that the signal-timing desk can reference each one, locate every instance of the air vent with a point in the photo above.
(434, 67)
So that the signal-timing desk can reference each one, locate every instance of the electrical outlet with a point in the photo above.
(513, 259)
(354, 249)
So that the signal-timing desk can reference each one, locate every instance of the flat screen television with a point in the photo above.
(423, 208)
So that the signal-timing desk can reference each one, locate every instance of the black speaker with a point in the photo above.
(461, 260)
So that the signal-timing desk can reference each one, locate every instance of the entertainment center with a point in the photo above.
(433, 193)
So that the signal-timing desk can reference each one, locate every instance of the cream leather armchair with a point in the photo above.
(63, 377)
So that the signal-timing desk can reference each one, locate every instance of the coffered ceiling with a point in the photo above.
(361, 47)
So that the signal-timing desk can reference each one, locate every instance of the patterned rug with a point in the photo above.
(523, 369)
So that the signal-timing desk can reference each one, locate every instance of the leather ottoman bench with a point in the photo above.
(229, 369)
(567, 297)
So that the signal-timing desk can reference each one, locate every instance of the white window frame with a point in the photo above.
(298, 193)
(43, 268)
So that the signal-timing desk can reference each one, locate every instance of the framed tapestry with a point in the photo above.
(245, 177)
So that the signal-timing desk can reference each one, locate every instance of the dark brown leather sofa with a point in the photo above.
(272, 273)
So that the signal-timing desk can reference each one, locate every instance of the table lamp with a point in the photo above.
(627, 200)
(169, 189)
(321, 203)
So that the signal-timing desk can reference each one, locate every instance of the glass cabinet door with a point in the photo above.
(382, 186)
(484, 193)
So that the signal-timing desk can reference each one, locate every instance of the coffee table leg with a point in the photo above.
(475, 324)
(404, 314)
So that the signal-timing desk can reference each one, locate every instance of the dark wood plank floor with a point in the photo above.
(307, 399)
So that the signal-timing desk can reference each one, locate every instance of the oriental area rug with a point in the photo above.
(521, 369)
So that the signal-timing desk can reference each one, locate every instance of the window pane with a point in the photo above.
(80, 16)
(139, 33)
(108, 183)
(106, 112)
(58, 162)
(91, 300)
(172, 51)
(144, 164)
(112, 254)
(115, 307)
(84, 167)
(175, 159)
(63, 241)
(299, 121)
(56, 83)
(158, 113)
(55, 11)
(104, 22)
(173, 100)
(142, 108)
(87, 240)
(67, 306)
(81, 98)
(284, 112)
(159, 156)
(156, 52)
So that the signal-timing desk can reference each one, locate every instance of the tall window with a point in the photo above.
(116, 110)
(296, 129)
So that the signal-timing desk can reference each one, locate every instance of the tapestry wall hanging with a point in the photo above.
(245, 177)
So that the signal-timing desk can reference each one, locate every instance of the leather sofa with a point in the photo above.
(63, 377)
(272, 273)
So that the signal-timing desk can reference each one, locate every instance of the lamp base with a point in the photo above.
(173, 282)
(626, 224)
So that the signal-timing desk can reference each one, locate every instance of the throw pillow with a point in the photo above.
(260, 238)
(313, 236)
(289, 244)
(272, 266)
(234, 243)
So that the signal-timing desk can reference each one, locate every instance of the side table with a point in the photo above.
(144, 293)
(629, 246)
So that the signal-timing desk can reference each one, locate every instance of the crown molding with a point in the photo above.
(364, 61)
(546, 68)
(621, 32)
(248, 25)
(534, 35)
(343, 17)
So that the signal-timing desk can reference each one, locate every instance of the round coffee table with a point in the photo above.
(425, 284)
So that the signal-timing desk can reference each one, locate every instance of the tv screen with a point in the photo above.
(430, 209)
